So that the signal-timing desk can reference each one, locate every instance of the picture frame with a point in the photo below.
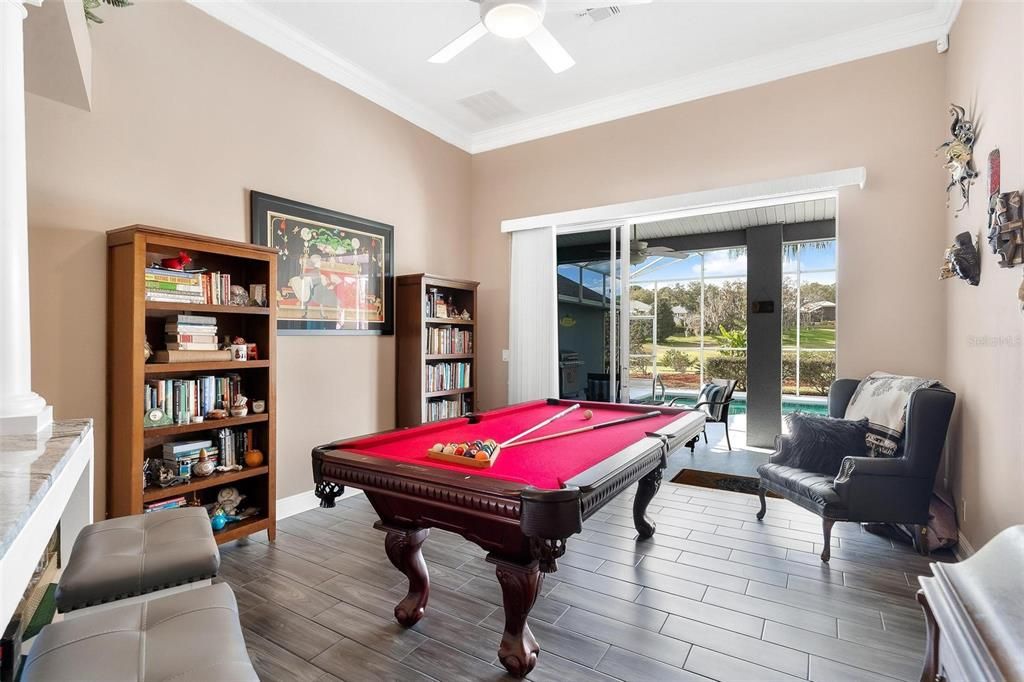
(335, 271)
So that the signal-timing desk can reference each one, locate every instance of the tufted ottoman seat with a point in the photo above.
(133, 555)
(186, 637)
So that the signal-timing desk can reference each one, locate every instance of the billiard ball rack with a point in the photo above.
(463, 460)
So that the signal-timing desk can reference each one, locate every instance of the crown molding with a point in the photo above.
(280, 37)
(894, 35)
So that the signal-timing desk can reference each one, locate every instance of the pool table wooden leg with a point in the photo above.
(520, 585)
(403, 548)
(646, 489)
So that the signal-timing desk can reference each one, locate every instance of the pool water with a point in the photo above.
(739, 405)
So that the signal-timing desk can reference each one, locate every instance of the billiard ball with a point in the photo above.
(459, 450)
(482, 456)
(449, 449)
(438, 447)
(587, 414)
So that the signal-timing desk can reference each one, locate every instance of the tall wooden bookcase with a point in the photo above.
(132, 320)
(413, 327)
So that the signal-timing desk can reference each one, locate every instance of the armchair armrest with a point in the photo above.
(871, 466)
(883, 490)
(712, 402)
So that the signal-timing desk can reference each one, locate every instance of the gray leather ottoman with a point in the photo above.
(133, 555)
(186, 637)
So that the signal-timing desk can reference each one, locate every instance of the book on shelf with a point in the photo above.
(446, 376)
(180, 337)
(161, 505)
(187, 286)
(182, 465)
(192, 345)
(443, 408)
(233, 445)
(186, 399)
(172, 356)
(447, 340)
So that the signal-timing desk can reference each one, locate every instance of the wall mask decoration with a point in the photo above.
(1006, 229)
(959, 152)
(962, 260)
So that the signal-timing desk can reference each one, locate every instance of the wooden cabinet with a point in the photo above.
(435, 349)
(132, 320)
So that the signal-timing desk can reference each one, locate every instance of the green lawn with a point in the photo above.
(823, 336)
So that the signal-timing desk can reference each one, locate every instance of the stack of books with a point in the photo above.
(446, 409)
(182, 455)
(441, 340)
(174, 286)
(191, 338)
(186, 399)
(445, 376)
(233, 444)
(172, 503)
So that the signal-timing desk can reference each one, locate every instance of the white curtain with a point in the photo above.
(533, 317)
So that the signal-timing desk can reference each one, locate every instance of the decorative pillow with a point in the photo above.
(819, 444)
(710, 393)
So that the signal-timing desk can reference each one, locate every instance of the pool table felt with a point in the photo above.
(546, 465)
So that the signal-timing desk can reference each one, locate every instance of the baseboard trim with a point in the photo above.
(964, 549)
(296, 504)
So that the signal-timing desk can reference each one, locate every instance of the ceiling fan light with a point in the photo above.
(512, 19)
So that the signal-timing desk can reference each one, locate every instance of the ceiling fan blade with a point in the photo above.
(550, 50)
(584, 5)
(446, 53)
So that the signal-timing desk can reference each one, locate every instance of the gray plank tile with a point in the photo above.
(353, 662)
(442, 662)
(552, 668)
(299, 570)
(736, 543)
(368, 597)
(488, 591)
(275, 663)
(749, 649)
(825, 670)
(457, 603)
(385, 636)
(287, 629)
(703, 612)
(555, 638)
(729, 567)
(720, 666)
(629, 667)
(643, 577)
(625, 611)
(900, 666)
(889, 640)
(291, 594)
(771, 610)
(629, 637)
(828, 607)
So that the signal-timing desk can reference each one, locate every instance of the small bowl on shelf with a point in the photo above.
(239, 411)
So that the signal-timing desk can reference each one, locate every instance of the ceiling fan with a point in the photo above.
(639, 251)
(514, 19)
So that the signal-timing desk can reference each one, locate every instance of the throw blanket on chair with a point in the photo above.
(883, 398)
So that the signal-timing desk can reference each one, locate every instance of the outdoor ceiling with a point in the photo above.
(646, 57)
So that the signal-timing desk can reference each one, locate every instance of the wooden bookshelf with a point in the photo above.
(132, 320)
(413, 323)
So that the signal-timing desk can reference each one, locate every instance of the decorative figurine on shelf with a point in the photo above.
(204, 467)
(178, 263)
(155, 472)
(240, 407)
(466, 316)
(962, 260)
(258, 295)
(147, 350)
(959, 152)
(228, 500)
(238, 295)
(219, 520)
(253, 458)
(252, 352)
(239, 349)
(258, 406)
(217, 413)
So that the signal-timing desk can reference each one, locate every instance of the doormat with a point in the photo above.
(717, 481)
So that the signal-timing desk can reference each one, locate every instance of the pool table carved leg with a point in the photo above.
(646, 489)
(403, 548)
(520, 585)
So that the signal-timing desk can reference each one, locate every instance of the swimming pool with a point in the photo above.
(739, 404)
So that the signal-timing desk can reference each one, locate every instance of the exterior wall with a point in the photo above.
(984, 324)
(188, 115)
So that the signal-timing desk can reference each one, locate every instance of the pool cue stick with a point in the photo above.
(541, 425)
(592, 427)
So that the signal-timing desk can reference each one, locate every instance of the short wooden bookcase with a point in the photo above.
(132, 319)
(413, 326)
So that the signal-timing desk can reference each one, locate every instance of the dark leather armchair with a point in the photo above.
(715, 411)
(871, 489)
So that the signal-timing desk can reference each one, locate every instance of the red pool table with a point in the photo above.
(521, 510)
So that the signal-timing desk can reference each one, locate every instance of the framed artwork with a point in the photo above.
(334, 271)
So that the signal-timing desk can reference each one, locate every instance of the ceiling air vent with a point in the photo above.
(489, 105)
(597, 14)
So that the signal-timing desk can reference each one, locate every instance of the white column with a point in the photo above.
(21, 410)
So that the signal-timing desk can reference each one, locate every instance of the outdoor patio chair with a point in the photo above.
(714, 400)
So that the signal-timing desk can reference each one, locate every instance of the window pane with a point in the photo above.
(817, 372)
(789, 312)
(818, 255)
(788, 372)
(790, 257)
(726, 262)
(569, 280)
(666, 268)
(726, 364)
(725, 312)
(818, 310)
(641, 301)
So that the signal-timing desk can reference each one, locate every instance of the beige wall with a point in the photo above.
(985, 326)
(188, 115)
(883, 113)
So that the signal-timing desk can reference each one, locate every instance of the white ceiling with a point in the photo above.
(646, 57)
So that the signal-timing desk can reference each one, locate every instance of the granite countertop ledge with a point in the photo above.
(28, 466)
